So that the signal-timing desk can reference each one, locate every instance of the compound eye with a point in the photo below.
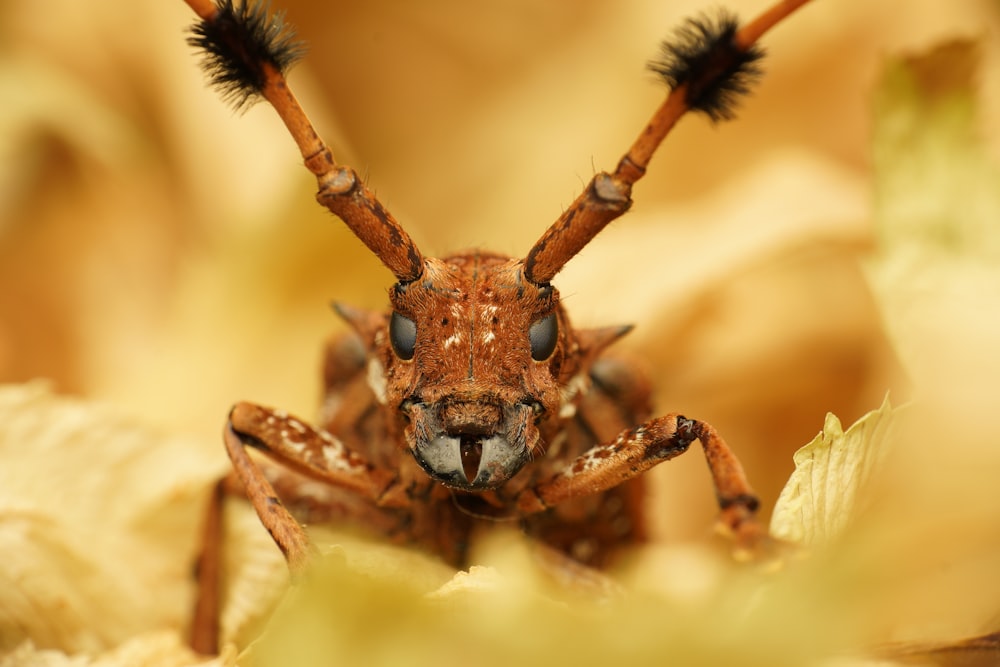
(543, 336)
(402, 336)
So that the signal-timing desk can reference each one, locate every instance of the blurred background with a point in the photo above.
(163, 254)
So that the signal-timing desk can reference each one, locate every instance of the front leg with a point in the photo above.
(637, 450)
(297, 446)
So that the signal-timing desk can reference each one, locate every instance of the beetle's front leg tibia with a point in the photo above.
(286, 532)
(637, 450)
(299, 447)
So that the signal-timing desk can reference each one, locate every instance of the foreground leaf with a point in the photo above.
(823, 494)
(98, 523)
(158, 649)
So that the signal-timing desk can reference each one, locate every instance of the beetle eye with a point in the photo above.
(402, 336)
(543, 335)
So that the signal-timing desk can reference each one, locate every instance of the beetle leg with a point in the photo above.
(637, 450)
(205, 619)
(296, 446)
(286, 532)
(299, 447)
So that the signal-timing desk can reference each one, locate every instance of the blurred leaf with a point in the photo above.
(983, 651)
(161, 649)
(41, 104)
(937, 194)
(511, 613)
(98, 520)
(823, 494)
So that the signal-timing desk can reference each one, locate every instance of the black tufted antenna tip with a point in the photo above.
(704, 55)
(239, 42)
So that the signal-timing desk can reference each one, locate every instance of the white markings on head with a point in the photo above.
(453, 339)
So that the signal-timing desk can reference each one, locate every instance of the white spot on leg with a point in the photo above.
(295, 446)
(336, 456)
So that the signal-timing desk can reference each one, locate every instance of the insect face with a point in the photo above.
(474, 423)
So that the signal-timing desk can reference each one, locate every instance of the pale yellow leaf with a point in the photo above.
(823, 494)
(158, 649)
(99, 518)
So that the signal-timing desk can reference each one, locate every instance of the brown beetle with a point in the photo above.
(473, 398)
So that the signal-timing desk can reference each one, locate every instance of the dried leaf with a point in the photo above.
(160, 649)
(98, 521)
(823, 494)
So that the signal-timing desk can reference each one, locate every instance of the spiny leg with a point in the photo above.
(284, 529)
(637, 450)
(294, 444)
(205, 629)
(273, 483)
(282, 526)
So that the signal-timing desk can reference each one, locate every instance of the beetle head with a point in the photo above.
(473, 359)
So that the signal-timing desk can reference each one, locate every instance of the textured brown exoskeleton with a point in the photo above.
(472, 398)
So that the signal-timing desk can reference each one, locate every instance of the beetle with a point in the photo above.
(473, 398)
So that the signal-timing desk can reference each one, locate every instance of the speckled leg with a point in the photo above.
(637, 450)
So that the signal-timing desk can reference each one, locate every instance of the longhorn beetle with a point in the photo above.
(472, 398)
